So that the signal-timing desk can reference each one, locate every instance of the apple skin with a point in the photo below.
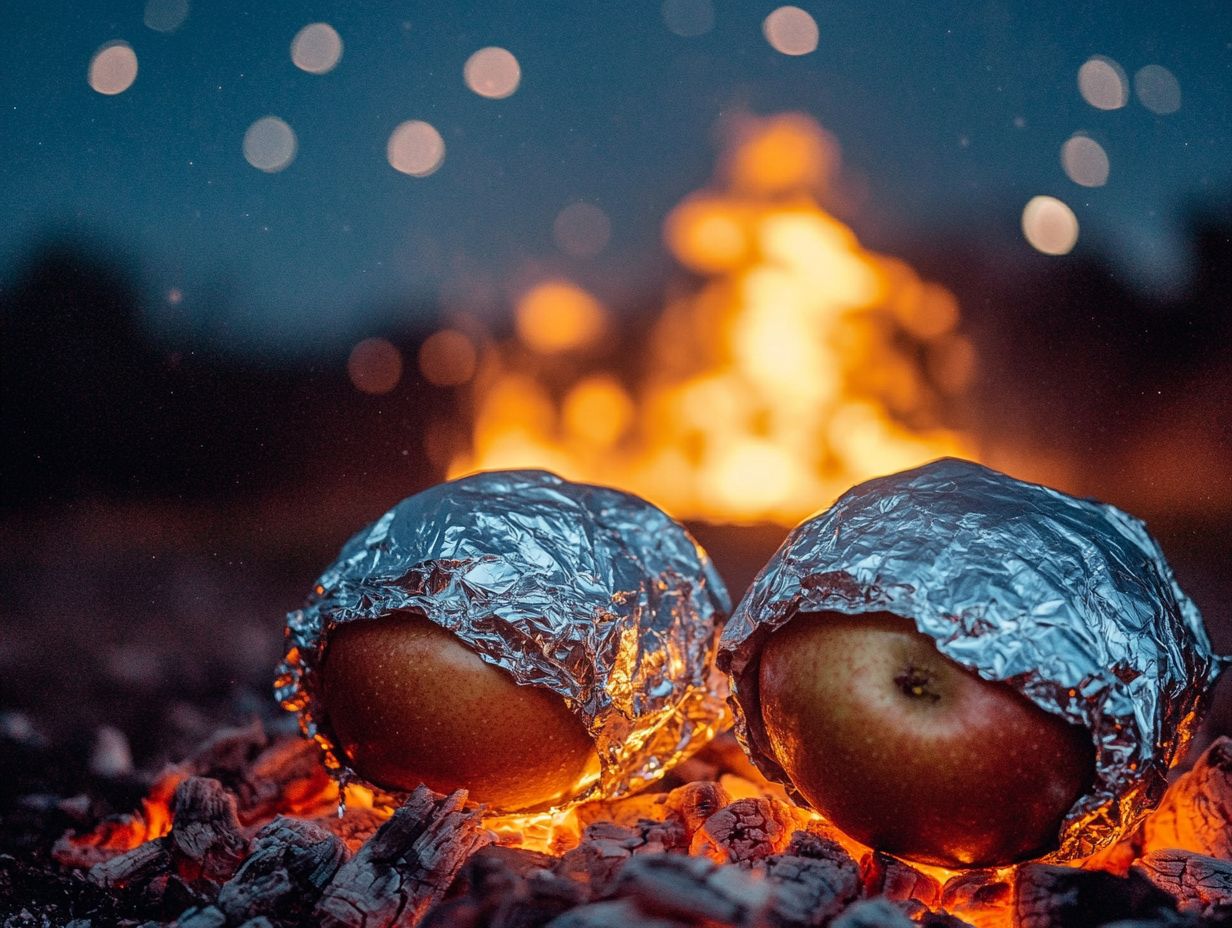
(409, 702)
(911, 753)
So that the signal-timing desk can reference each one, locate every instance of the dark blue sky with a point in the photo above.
(951, 113)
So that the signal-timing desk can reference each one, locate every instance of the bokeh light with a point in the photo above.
(582, 230)
(166, 15)
(1102, 83)
(1050, 226)
(706, 235)
(1158, 89)
(113, 68)
(1085, 161)
(317, 48)
(598, 411)
(556, 316)
(688, 18)
(415, 148)
(791, 31)
(447, 358)
(269, 144)
(375, 366)
(493, 73)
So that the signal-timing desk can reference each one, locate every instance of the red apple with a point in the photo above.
(409, 702)
(911, 753)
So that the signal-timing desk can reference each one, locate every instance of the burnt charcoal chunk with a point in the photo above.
(205, 840)
(406, 867)
(1201, 885)
(693, 888)
(291, 863)
(1047, 896)
(605, 847)
(1196, 811)
(745, 831)
(695, 802)
(201, 917)
(504, 887)
(811, 890)
(883, 875)
(873, 913)
(618, 913)
(975, 889)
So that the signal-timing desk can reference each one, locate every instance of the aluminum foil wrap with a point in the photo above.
(590, 592)
(1067, 600)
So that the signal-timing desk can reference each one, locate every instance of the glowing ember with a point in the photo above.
(802, 364)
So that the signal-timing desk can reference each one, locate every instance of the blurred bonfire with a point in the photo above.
(795, 364)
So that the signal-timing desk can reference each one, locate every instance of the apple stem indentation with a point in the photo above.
(917, 683)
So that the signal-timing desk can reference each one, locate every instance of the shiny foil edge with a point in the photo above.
(1102, 636)
(624, 604)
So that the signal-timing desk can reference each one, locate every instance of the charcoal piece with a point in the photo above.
(137, 867)
(201, 917)
(605, 847)
(504, 887)
(618, 913)
(873, 913)
(1196, 811)
(284, 778)
(290, 865)
(693, 803)
(259, 922)
(1201, 885)
(186, 867)
(205, 840)
(927, 919)
(113, 836)
(883, 875)
(745, 831)
(691, 889)
(406, 866)
(1049, 896)
(816, 839)
(809, 891)
(975, 889)
(354, 828)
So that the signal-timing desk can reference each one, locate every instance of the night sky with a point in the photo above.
(951, 116)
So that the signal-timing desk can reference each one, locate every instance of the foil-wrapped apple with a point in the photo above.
(966, 670)
(534, 641)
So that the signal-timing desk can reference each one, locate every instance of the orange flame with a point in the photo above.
(801, 365)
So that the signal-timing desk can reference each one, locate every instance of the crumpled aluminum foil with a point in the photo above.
(621, 606)
(1067, 600)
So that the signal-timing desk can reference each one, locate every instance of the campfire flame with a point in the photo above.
(799, 364)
